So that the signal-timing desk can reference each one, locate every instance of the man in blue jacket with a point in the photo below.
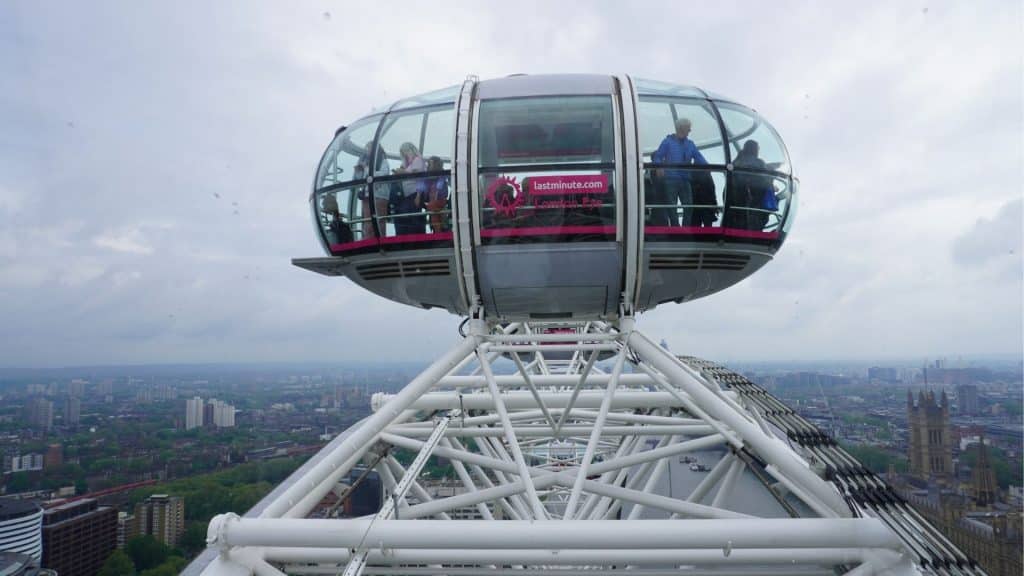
(678, 149)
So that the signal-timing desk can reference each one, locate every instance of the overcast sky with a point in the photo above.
(122, 123)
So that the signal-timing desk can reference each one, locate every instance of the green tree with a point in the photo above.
(876, 459)
(117, 564)
(1006, 474)
(146, 552)
(171, 567)
(194, 538)
(18, 482)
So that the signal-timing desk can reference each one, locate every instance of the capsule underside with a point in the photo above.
(552, 197)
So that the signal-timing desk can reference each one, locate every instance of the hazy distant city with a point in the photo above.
(120, 446)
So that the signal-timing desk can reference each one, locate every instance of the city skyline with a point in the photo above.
(183, 169)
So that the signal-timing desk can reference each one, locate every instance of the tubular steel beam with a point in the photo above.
(557, 450)
(229, 530)
(330, 468)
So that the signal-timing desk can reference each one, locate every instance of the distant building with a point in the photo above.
(967, 399)
(14, 564)
(984, 488)
(125, 528)
(77, 387)
(162, 517)
(40, 414)
(54, 456)
(930, 445)
(991, 537)
(78, 536)
(361, 493)
(105, 388)
(15, 462)
(21, 527)
(193, 413)
(222, 414)
(883, 374)
(72, 411)
(144, 396)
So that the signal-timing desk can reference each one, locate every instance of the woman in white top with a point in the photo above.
(412, 191)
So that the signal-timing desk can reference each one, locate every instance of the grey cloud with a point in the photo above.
(995, 238)
(122, 120)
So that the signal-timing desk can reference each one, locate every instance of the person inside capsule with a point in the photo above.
(410, 199)
(362, 171)
(338, 231)
(436, 195)
(678, 149)
(752, 194)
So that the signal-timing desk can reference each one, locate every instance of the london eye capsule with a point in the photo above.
(562, 197)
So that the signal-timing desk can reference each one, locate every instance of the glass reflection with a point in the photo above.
(658, 117)
(344, 218)
(348, 156)
(753, 202)
(419, 207)
(703, 210)
(743, 125)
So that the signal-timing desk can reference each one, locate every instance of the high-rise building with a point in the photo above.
(193, 413)
(222, 414)
(72, 411)
(931, 447)
(967, 399)
(40, 414)
(161, 516)
(21, 527)
(105, 388)
(126, 528)
(78, 536)
(77, 387)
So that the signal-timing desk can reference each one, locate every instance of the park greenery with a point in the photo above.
(876, 459)
(1006, 473)
(236, 489)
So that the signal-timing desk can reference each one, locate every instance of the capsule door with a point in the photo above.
(547, 206)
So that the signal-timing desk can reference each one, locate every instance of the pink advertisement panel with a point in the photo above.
(568, 184)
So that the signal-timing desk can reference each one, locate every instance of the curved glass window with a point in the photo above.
(755, 204)
(753, 143)
(654, 87)
(546, 168)
(347, 158)
(343, 213)
(412, 203)
(790, 216)
(694, 206)
(444, 95)
(342, 199)
(657, 118)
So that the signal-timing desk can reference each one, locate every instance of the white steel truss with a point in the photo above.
(563, 440)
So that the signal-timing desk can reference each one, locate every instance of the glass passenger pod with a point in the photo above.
(546, 205)
(342, 200)
(688, 143)
(384, 183)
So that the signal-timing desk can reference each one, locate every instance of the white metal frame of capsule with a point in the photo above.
(637, 249)
(602, 509)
